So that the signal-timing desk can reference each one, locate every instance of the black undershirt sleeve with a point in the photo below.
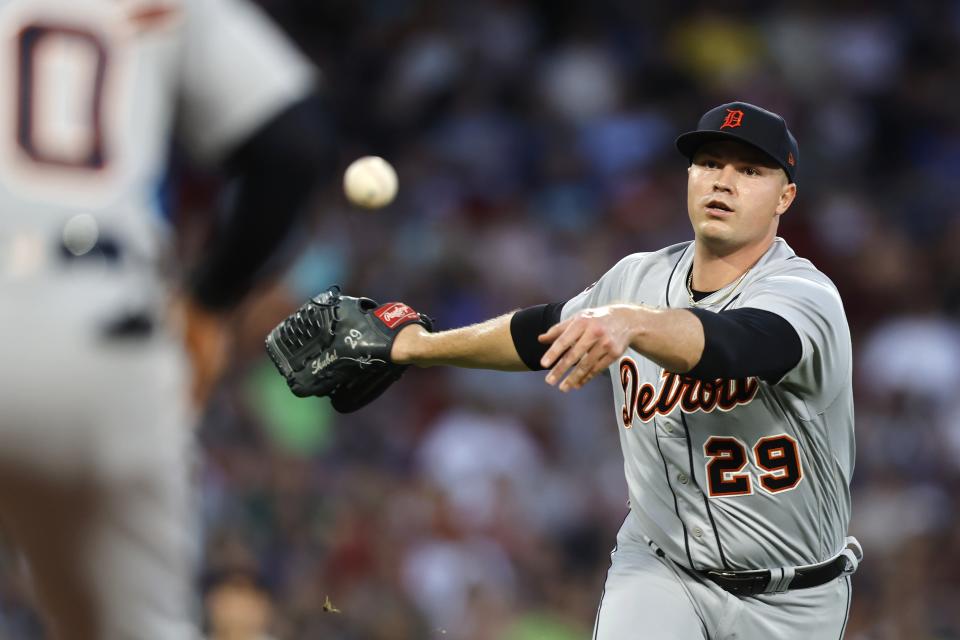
(746, 342)
(527, 324)
(273, 174)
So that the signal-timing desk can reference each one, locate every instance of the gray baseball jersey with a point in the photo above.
(737, 474)
(98, 429)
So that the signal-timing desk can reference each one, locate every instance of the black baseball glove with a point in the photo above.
(339, 346)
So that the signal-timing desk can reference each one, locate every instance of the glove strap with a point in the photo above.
(396, 314)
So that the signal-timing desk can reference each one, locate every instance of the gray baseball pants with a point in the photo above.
(95, 452)
(648, 597)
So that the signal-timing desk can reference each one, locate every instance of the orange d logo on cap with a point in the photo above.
(733, 120)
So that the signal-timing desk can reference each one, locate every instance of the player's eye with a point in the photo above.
(709, 164)
(751, 171)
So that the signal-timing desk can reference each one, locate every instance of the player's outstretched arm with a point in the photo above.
(487, 345)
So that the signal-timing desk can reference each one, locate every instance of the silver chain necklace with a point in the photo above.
(730, 291)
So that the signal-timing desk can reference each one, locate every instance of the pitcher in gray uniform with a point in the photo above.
(730, 363)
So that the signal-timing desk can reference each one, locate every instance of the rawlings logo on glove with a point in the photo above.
(339, 346)
(393, 313)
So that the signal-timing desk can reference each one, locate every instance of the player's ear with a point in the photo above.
(787, 194)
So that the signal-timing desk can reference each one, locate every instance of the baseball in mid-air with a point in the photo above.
(370, 182)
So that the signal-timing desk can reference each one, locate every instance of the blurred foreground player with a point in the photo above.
(95, 428)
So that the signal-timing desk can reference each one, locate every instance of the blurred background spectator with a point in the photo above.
(534, 146)
(237, 608)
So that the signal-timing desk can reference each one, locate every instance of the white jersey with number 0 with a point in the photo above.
(90, 93)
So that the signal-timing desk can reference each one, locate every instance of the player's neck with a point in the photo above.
(713, 270)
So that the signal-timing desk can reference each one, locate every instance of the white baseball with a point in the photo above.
(370, 182)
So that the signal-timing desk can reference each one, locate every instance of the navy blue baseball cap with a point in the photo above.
(747, 123)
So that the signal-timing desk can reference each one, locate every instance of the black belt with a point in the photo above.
(751, 583)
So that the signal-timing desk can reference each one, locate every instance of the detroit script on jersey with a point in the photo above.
(645, 400)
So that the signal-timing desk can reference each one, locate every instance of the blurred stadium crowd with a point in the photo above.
(534, 144)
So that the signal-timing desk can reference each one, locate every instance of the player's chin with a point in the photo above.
(715, 230)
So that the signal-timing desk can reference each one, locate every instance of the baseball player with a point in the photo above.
(95, 428)
(730, 362)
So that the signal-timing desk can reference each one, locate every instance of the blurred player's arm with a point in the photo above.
(272, 174)
(248, 104)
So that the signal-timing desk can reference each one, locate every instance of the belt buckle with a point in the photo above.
(739, 584)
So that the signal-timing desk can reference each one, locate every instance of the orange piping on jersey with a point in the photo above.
(155, 16)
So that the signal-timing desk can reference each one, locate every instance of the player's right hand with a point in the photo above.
(586, 344)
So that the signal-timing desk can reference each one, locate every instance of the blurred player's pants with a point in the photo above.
(650, 598)
(95, 450)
